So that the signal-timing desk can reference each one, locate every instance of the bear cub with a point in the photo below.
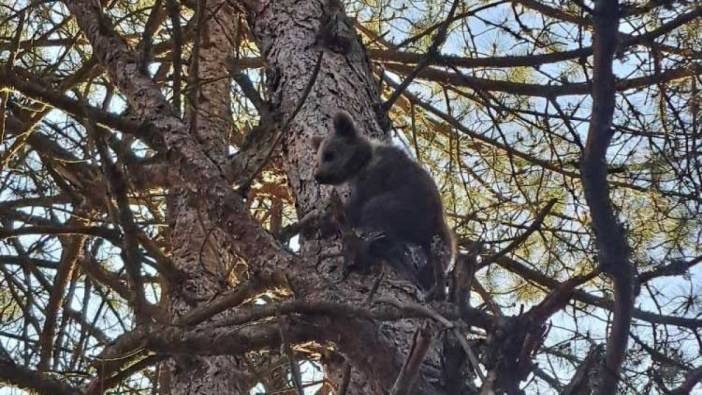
(393, 204)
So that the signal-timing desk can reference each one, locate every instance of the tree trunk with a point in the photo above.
(287, 34)
(199, 247)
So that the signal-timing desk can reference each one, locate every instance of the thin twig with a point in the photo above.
(374, 288)
(469, 352)
(287, 350)
(415, 357)
(281, 132)
(5, 96)
(432, 52)
(522, 237)
(117, 187)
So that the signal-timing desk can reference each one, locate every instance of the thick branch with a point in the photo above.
(201, 176)
(693, 378)
(70, 255)
(31, 380)
(612, 247)
(542, 90)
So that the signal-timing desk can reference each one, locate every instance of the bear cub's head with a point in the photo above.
(343, 153)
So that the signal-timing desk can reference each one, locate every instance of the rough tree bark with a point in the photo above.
(199, 246)
(612, 246)
(290, 35)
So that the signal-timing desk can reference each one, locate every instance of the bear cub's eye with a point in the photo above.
(328, 156)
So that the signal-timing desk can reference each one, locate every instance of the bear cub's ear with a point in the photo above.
(344, 126)
(316, 142)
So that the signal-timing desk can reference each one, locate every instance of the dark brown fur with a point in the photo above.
(392, 199)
